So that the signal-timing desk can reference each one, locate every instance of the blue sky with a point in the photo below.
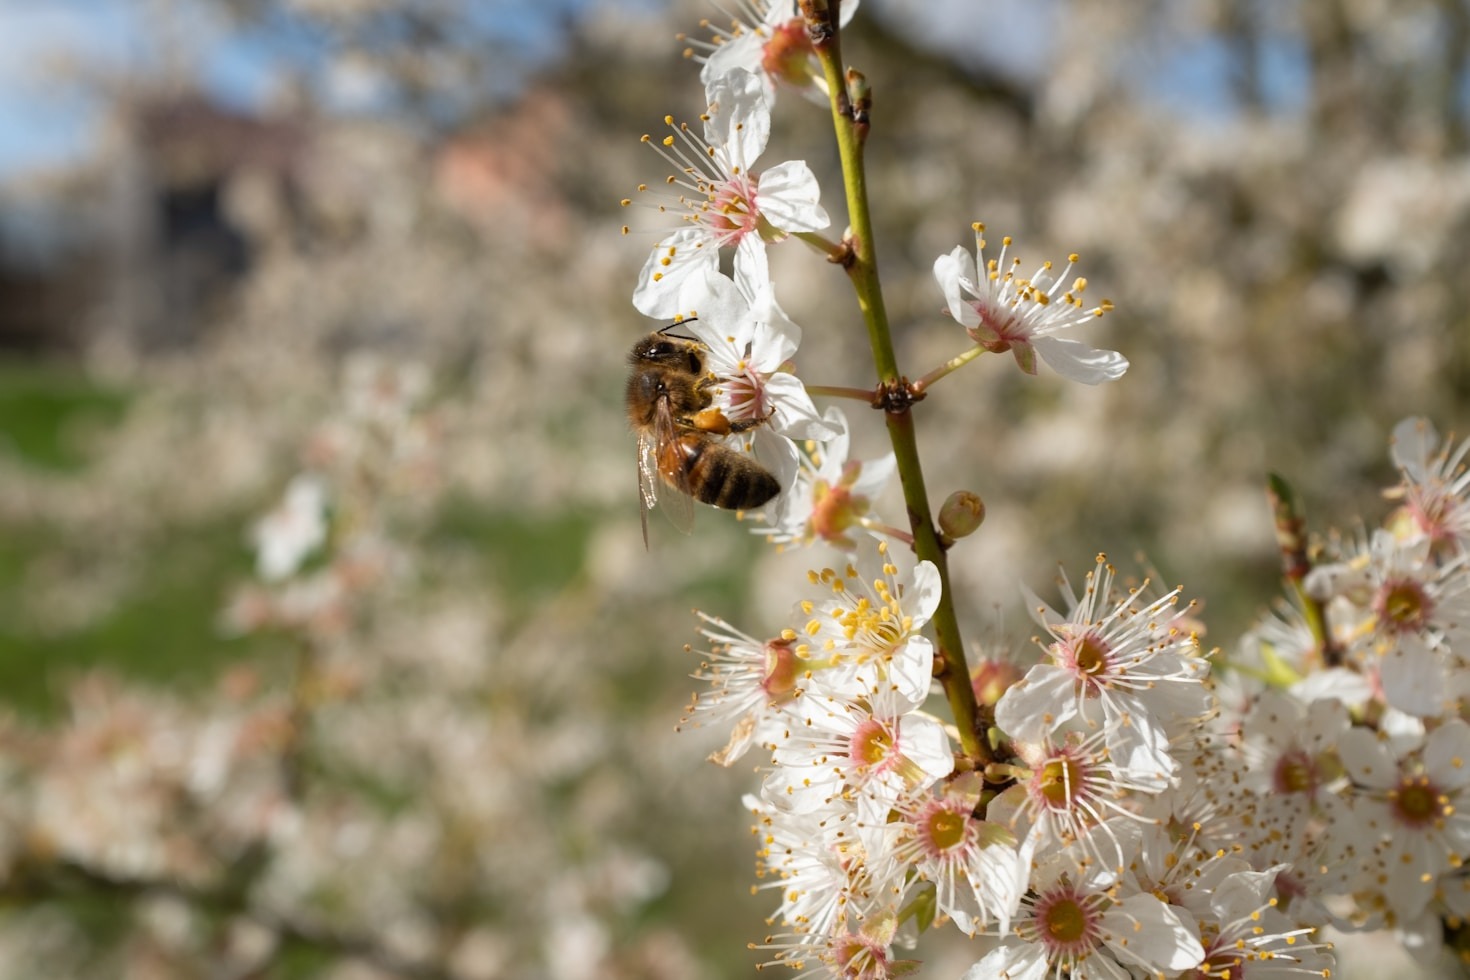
(42, 122)
(48, 118)
(45, 120)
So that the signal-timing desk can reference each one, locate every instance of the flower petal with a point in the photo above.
(1076, 361)
(952, 271)
(788, 197)
(670, 264)
(739, 120)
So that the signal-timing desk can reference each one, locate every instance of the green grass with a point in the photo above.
(163, 630)
(46, 412)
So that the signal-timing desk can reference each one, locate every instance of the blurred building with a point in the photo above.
(141, 241)
(172, 245)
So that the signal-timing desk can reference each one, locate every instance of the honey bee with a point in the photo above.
(669, 406)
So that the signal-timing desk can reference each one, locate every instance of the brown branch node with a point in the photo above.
(896, 397)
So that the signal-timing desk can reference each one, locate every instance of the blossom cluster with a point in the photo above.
(1141, 806)
(725, 198)
(1355, 732)
(1122, 833)
(1149, 818)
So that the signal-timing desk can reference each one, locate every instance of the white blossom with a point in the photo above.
(1005, 311)
(721, 200)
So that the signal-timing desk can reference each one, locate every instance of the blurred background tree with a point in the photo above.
(211, 211)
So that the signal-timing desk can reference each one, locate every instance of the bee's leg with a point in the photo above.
(710, 420)
(743, 425)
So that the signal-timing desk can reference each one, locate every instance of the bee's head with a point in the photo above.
(680, 355)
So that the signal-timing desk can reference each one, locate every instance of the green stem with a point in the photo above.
(837, 391)
(895, 395)
(954, 363)
(836, 252)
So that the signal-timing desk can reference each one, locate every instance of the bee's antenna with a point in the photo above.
(676, 324)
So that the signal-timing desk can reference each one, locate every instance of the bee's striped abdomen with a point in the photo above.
(721, 476)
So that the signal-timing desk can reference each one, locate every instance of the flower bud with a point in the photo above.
(859, 96)
(783, 669)
(961, 514)
(992, 678)
(787, 54)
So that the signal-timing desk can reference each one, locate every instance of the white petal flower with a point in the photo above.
(1118, 664)
(1071, 793)
(1417, 805)
(978, 868)
(768, 38)
(1436, 482)
(1400, 610)
(815, 862)
(1084, 921)
(753, 683)
(867, 633)
(868, 752)
(1246, 935)
(832, 494)
(722, 199)
(1004, 311)
(751, 342)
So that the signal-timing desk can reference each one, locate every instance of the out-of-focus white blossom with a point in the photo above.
(286, 536)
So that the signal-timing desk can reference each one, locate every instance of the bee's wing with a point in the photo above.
(662, 460)
(647, 481)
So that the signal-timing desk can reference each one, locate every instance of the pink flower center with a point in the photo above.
(1418, 803)
(1403, 606)
(733, 212)
(1296, 772)
(1088, 656)
(787, 55)
(1059, 782)
(860, 958)
(873, 746)
(998, 329)
(942, 826)
(832, 511)
(1066, 923)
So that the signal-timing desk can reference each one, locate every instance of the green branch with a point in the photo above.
(895, 396)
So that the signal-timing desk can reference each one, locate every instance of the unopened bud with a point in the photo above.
(961, 514)
(859, 96)
(992, 678)
(818, 16)
(783, 669)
